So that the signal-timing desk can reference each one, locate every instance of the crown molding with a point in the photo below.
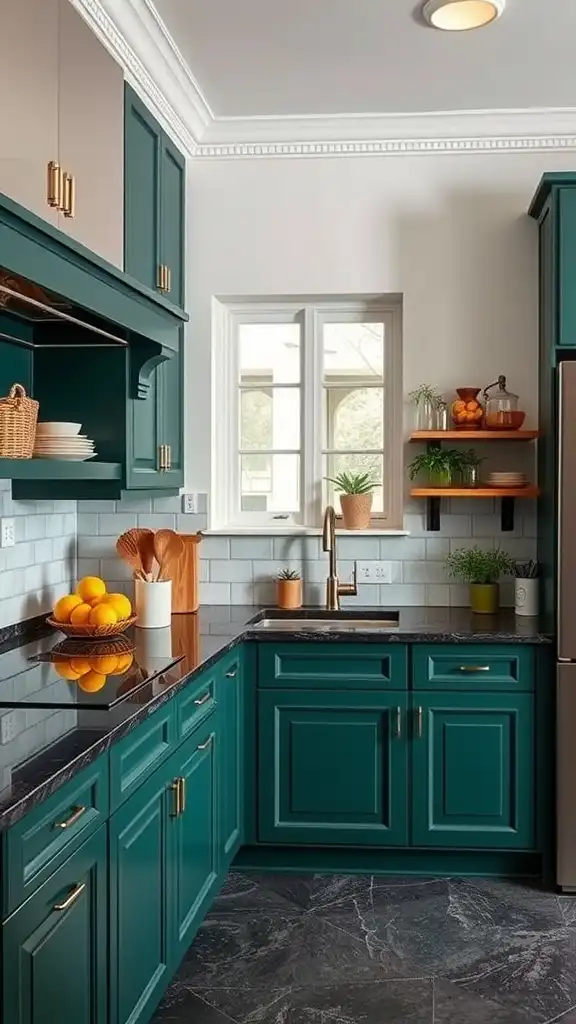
(135, 35)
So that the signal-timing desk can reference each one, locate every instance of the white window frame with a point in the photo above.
(311, 312)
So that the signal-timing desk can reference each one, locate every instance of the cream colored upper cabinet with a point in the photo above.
(29, 90)
(91, 138)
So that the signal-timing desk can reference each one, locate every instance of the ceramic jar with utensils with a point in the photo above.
(153, 557)
(153, 603)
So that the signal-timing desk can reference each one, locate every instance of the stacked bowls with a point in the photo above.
(62, 441)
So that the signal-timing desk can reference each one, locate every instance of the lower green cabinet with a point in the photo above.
(473, 770)
(231, 762)
(332, 767)
(54, 947)
(194, 866)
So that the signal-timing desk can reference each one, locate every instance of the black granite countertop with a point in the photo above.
(35, 763)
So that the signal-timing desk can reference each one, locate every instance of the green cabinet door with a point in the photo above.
(54, 947)
(231, 764)
(140, 878)
(143, 457)
(473, 770)
(172, 213)
(170, 383)
(566, 267)
(142, 170)
(332, 767)
(195, 836)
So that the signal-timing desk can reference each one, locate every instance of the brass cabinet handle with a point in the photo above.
(77, 813)
(419, 714)
(162, 457)
(177, 805)
(168, 456)
(474, 668)
(231, 673)
(54, 191)
(182, 784)
(202, 700)
(204, 746)
(71, 898)
(68, 195)
(162, 278)
(398, 722)
(168, 279)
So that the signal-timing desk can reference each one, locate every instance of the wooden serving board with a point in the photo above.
(185, 590)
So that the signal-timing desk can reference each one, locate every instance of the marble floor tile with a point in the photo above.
(452, 1005)
(567, 906)
(254, 894)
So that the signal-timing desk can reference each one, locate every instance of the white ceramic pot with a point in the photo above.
(154, 604)
(526, 597)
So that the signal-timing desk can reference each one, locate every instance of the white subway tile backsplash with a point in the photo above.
(251, 547)
(112, 525)
(173, 504)
(96, 547)
(187, 522)
(484, 543)
(216, 547)
(157, 521)
(369, 594)
(415, 524)
(402, 547)
(242, 593)
(215, 593)
(402, 595)
(43, 550)
(114, 570)
(455, 526)
(88, 567)
(363, 548)
(229, 571)
(55, 524)
(490, 526)
(96, 506)
(132, 503)
(87, 524)
(437, 549)
(459, 595)
(437, 595)
(288, 548)
(424, 572)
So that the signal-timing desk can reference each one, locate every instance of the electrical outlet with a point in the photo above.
(374, 572)
(7, 533)
(190, 503)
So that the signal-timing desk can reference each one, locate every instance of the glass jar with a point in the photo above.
(501, 407)
(442, 416)
(425, 414)
(470, 476)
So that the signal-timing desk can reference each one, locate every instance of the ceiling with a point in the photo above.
(328, 57)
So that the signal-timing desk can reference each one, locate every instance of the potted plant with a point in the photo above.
(355, 498)
(289, 589)
(439, 464)
(425, 398)
(482, 571)
(470, 464)
(526, 589)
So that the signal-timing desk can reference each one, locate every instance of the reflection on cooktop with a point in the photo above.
(84, 674)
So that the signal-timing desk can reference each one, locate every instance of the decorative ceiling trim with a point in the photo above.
(127, 33)
(383, 147)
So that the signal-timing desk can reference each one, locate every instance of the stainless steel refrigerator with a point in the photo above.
(566, 630)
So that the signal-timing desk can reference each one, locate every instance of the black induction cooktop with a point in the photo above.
(84, 674)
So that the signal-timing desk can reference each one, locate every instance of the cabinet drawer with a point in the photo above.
(195, 703)
(42, 840)
(134, 758)
(472, 667)
(335, 666)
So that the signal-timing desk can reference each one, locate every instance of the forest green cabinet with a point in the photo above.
(231, 778)
(154, 203)
(54, 947)
(332, 767)
(473, 760)
(554, 207)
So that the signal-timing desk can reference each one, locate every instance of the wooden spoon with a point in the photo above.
(145, 542)
(168, 547)
(127, 548)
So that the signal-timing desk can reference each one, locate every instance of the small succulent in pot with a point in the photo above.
(482, 571)
(355, 498)
(439, 464)
(288, 588)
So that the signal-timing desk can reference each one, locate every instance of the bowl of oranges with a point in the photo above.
(88, 670)
(92, 612)
(467, 413)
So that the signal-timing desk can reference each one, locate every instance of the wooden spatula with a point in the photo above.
(145, 541)
(127, 548)
(168, 548)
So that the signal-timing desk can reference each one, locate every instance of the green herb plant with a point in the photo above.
(440, 464)
(474, 565)
(353, 483)
(425, 393)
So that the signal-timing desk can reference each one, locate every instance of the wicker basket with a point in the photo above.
(87, 631)
(18, 415)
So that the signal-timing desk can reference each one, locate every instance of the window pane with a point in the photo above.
(357, 463)
(354, 418)
(270, 418)
(269, 353)
(270, 483)
(353, 352)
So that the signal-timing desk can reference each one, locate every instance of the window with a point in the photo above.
(303, 390)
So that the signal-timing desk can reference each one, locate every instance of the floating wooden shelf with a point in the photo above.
(531, 491)
(475, 435)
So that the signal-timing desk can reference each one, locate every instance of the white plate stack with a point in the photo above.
(507, 480)
(63, 441)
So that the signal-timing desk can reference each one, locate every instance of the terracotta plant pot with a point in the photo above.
(484, 598)
(289, 593)
(356, 511)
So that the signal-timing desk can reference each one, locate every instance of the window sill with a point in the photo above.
(298, 531)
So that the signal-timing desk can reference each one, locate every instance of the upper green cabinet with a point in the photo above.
(156, 429)
(554, 207)
(154, 203)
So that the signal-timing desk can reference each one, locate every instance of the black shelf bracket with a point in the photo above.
(507, 514)
(433, 514)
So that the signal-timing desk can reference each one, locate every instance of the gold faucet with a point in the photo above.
(334, 589)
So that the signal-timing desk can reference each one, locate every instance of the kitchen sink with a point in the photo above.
(331, 622)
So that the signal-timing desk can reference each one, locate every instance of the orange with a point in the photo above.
(80, 614)
(103, 615)
(80, 665)
(90, 587)
(478, 414)
(458, 407)
(471, 406)
(65, 670)
(65, 606)
(124, 663)
(104, 663)
(95, 600)
(92, 681)
(121, 605)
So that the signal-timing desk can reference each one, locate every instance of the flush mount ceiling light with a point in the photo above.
(461, 15)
